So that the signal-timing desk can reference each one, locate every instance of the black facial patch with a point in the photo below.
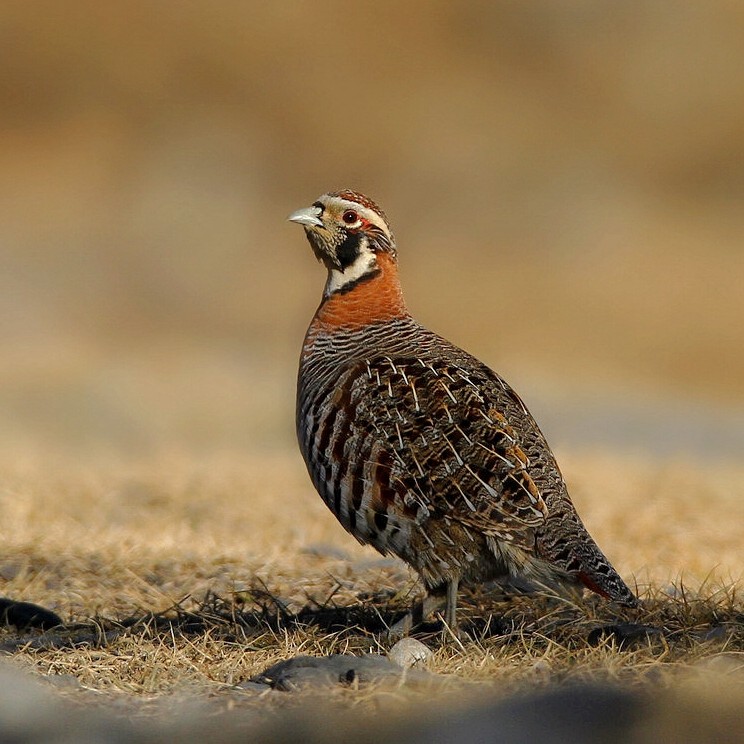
(348, 250)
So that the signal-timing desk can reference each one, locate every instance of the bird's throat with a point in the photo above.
(374, 296)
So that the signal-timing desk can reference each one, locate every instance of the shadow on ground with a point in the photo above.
(678, 622)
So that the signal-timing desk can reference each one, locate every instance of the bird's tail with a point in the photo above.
(566, 543)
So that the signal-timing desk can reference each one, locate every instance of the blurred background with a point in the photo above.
(565, 181)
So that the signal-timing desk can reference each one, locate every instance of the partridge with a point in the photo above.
(418, 448)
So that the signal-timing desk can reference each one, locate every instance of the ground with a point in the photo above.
(181, 578)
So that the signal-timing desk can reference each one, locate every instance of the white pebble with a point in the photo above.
(408, 652)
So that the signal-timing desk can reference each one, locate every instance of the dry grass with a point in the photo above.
(182, 578)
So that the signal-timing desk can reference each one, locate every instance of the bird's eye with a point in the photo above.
(350, 217)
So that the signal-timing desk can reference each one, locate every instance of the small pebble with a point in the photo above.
(408, 652)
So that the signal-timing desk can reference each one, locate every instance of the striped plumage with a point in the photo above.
(417, 447)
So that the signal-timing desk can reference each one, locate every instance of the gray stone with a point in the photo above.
(304, 672)
(625, 635)
(27, 615)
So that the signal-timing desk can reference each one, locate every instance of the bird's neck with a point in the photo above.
(374, 296)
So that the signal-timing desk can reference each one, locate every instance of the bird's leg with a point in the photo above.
(444, 595)
(432, 601)
(450, 613)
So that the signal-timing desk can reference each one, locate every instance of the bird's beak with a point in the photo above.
(310, 217)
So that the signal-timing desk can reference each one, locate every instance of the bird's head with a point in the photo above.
(347, 232)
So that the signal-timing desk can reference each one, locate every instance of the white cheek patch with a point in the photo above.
(365, 263)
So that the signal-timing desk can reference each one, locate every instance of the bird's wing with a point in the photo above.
(449, 447)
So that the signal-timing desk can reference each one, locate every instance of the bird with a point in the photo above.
(418, 448)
